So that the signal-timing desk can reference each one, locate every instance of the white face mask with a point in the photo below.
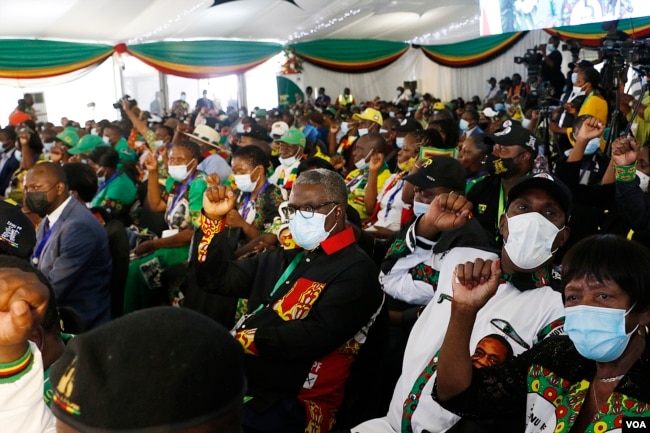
(344, 128)
(420, 208)
(399, 142)
(363, 131)
(644, 180)
(244, 182)
(577, 91)
(179, 172)
(391, 114)
(159, 143)
(93, 131)
(288, 162)
(240, 128)
(106, 140)
(463, 125)
(309, 232)
(362, 163)
(530, 240)
(550, 48)
(525, 122)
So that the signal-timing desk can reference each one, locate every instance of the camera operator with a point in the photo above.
(552, 65)
(641, 123)
(130, 109)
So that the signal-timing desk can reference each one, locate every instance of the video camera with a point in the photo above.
(132, 102)
(532, 58)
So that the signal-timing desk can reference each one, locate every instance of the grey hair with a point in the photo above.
(335, 189)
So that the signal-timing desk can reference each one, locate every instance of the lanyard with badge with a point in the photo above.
(106, 182)
(285, 275)
(39, 248)
(180, 192)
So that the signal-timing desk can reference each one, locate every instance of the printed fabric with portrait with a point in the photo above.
(184, 201)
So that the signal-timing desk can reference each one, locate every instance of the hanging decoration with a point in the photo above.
(292, 63)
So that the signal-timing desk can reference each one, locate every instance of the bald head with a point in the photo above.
(53, 172)
(376, 141)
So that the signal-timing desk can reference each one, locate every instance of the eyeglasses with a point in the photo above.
(307, 211)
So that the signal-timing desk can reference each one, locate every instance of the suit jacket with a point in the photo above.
(77, 261)
(7, 171)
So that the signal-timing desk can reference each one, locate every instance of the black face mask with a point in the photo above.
(502, 167)
(36, 202)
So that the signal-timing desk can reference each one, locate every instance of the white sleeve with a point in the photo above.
(22, 408)
(398, 282)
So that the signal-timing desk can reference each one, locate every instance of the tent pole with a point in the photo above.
(162, 80)
(241, 91)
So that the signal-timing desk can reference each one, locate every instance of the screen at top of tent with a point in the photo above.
(504, 16)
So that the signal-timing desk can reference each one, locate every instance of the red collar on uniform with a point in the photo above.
(338, 241)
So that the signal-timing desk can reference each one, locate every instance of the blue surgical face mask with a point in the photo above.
(158, 144)
(309, 232)
(18, 155)
(48, 146)
(574, 77)
(420, 208)
(598, 333)
(399, 142)
(550, 48)
(463, 124)
(592, 146)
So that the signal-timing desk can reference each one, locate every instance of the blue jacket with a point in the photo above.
(76, 259)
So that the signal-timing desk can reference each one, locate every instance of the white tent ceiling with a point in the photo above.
(138, 21)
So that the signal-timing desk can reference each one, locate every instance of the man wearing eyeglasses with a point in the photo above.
(309, 308)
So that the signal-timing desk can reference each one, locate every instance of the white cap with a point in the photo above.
(279, 128)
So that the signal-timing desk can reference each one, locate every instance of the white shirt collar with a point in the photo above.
(56, 213)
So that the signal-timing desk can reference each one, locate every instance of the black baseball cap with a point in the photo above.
(439, 171)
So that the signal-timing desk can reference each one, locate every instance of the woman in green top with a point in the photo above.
(116, 191)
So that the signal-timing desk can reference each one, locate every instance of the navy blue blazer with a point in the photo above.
(77, 261)
(7, 171)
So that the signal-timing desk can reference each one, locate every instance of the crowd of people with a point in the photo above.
(404, 265)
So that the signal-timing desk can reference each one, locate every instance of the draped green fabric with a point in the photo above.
(350, 55)
(473, 52)
(203, 59)
(591, 34)
(27, 58)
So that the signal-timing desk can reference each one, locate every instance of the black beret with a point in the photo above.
(155, 370)
(17, 234)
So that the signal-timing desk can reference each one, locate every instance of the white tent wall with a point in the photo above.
(441, 81)
(67, 95)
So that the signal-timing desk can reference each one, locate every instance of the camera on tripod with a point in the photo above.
(532, 58)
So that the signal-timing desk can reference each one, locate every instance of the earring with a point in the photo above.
(647, 331)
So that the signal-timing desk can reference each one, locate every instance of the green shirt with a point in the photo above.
(124, 151)
(117, 195)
